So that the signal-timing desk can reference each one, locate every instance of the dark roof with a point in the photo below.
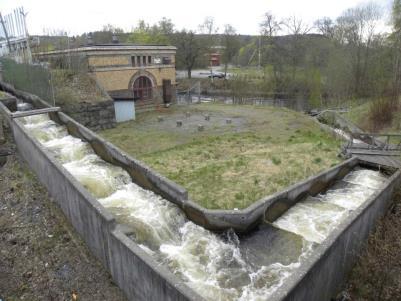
(124, 44)
(121, 94)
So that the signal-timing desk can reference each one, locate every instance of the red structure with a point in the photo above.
(215, 59)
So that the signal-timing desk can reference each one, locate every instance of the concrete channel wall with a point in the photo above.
(133, 270)
(241, 221)
(139, 275)
(324, 272)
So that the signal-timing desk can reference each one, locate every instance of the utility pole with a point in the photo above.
(259, 52)
(28, 48)
(5, 33)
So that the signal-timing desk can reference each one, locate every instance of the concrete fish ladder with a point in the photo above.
(141, 277)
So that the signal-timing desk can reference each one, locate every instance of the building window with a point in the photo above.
(166, 60)
(144, 60)
(142, 88)
(138, 60)
(149, 60)
(133, 61)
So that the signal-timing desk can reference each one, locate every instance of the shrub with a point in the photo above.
(380, 113)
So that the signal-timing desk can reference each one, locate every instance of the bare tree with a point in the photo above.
(208, 34)
(269, 28)
(208, 27)
(356, 28)
(296, 26)
(296, 29)
(325, 26)
(231, 45)
(270, 25)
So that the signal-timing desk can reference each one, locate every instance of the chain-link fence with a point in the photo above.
(34, 79)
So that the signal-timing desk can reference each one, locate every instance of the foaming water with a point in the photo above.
(218, 267)
(211, 264)
(315, 218)
(68, 148)
(347, 136)
(43, 128)
(312, 219)
(98, 176)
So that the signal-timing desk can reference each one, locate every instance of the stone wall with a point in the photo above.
(97, 116)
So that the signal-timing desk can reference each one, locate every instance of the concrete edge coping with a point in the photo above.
(121, 234)
(321, 250)
(92, 201)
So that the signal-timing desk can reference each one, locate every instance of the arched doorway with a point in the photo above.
(142, 88)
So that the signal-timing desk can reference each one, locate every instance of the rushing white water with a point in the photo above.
(213, 265)
(345, 135)
(312, 219)
(68, 148)
(315, 218)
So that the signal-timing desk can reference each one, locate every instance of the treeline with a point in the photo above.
(346, 58)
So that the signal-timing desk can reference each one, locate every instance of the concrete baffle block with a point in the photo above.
(160, 118)
(207, 117)
(187, 114)
(179, 123)
(201, 127)
(228, 121)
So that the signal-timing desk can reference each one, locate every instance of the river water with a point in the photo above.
(217, 266)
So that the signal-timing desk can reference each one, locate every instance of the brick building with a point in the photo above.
(143, 74)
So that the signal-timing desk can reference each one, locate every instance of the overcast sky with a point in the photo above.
(78, 16)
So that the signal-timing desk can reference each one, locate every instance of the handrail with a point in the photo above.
(34, 112)
(376, 145)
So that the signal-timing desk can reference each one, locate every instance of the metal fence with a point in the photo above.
(35, 79)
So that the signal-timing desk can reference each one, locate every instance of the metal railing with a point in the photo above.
(374, 141)
(34, 79)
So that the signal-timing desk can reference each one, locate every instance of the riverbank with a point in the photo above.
(41, 255)
(377, 275)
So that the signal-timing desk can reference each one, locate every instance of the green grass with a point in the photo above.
(228, 166)
(358, 114)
